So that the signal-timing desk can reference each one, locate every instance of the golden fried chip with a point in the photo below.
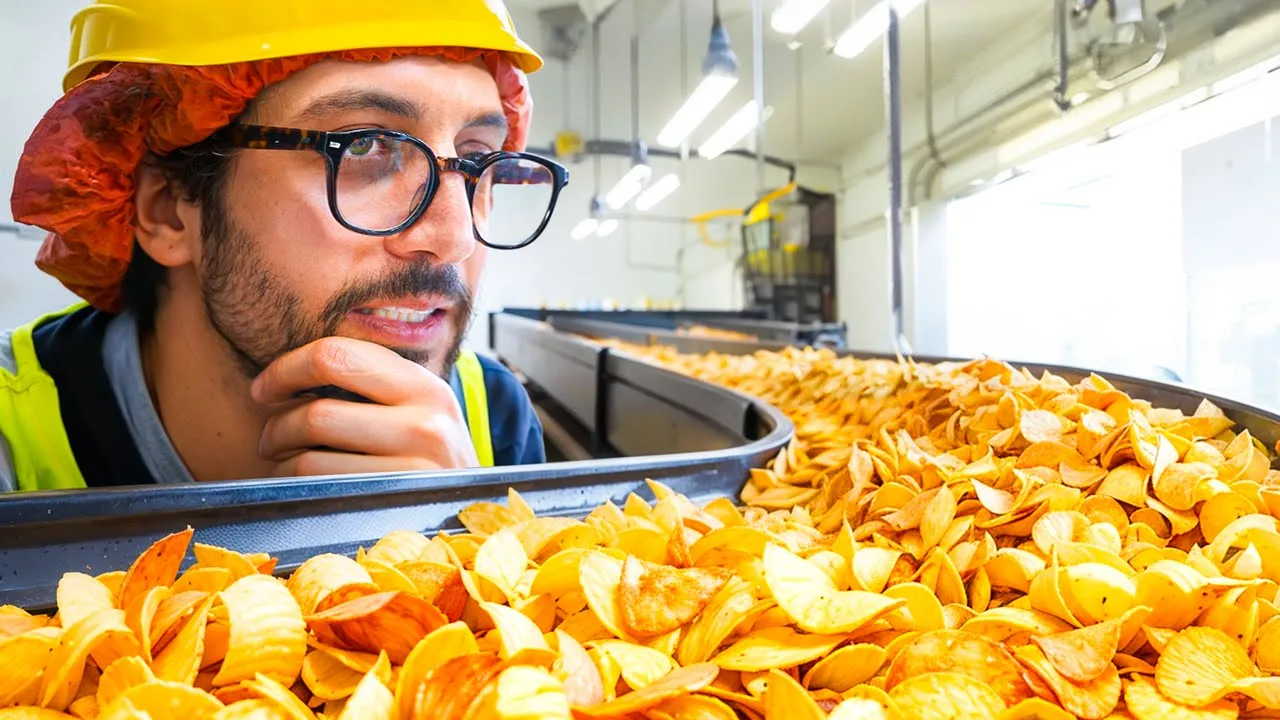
(65, 664)
(393, 622)
(203, 579)
(158, 565)
(784, 697)
(1082, 655)
(502, 560)
(180, 661)
(945, 696)
(656, 599)
(960, 652)
(1198, 665)
(530, 693)
(1091, 700)
(268, 634)
(843, 669)
(213, 556)
(327, 677)
(681, 681)
(1144, 702)
(775, 647)
(580, 676)
(31, 650)
(1036, 709)
(371, 700)
(161, 699)
(731, 607)
(438, 647)
(639, 665)
(327, 580)
(439, 584)
(811, 600)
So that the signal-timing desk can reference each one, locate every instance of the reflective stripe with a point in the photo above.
(31, 418)
(471, 375)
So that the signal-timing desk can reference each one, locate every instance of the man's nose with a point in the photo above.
(445, 230)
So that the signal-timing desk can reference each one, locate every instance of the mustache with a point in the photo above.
(417, 278)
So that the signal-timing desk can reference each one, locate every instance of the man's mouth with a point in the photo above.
(404, 315)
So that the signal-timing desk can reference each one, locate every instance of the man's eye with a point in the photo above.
(361, 147)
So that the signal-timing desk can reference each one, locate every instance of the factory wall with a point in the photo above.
(980, 138)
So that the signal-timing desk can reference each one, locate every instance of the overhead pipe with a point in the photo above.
(624, 148)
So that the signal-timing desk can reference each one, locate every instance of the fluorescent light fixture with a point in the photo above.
(701, 102)
(606, 228)
(628, 187)
(584, 228)
(732, 132)
(794, 15)
(867, 29)
(657, 192)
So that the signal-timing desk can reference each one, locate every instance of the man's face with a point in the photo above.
(277, 271)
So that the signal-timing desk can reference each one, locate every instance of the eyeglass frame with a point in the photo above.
(334, 145)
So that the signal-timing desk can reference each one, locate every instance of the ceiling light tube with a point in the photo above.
(657, 192)
(628, 187)
(867, 29)
(584, 228)
(709, 93)
(794, 15)
(732, 132)
(606, 228)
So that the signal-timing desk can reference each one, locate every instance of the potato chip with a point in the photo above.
(811, 599)
(656, 599)
(945, 695)
(775, 647)
(158, 565)
(250, 710)
(439, 584)
(327, 580)
(1198, 666)
(920, 608)
(530, 693)
(268, 634)
(731, 607)
(202, 579)
(639, 665)
(30, 650)
(502, 560)
(161, 699)
(438, 647)
(784, 697)
(65, 665)
(170, 615)
(843, 669)
(680, 681)
(180, 661)
(371, 700)
(1036, 709)
(692, 707)
(1144, 702)
(328, 678)
(579, 675)
(1084, 654)
(1090, 700)
(213, 556)
(960, 652)
(393, 622)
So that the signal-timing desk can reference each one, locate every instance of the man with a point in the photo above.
(278, 220)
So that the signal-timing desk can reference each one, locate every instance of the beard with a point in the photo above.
(260, 318)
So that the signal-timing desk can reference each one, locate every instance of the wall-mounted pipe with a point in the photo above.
(893, 121)
(1061, 16)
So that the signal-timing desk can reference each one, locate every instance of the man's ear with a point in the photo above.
(167, 226)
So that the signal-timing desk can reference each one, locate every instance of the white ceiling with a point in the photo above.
(839, 100)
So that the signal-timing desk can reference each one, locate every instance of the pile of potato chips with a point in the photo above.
(951, 541)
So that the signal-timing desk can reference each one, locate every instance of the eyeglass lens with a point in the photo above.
(381, 181)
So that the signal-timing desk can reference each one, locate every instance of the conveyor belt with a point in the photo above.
(1262, 424)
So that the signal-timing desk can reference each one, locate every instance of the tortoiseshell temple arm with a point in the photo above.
(261, 137)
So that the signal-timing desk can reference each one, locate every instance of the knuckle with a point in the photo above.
(320, 414)
(334, 356)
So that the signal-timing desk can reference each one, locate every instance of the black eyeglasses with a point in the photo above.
(381, 182)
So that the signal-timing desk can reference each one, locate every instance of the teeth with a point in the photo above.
(401, 315)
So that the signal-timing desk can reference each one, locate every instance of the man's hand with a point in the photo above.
(413, 421)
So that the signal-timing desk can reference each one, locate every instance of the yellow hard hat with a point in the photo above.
(217, 32)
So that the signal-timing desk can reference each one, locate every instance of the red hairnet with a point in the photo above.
(76, 174)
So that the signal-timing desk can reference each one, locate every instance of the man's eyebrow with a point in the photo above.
(348, 100)
(489, 120)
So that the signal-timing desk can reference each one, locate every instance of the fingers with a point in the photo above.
(437, 434)
(359, 367)
(320, 462)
